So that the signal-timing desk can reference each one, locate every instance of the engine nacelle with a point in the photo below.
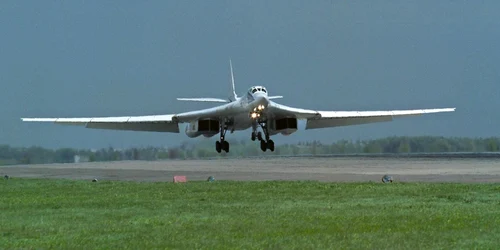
(285, 126)
(207, 128)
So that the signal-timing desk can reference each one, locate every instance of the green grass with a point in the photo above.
(287, 215)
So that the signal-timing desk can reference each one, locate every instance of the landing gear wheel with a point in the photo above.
(263, 145)
(270, 145)
(253, 136)
(218, 146)
(222, 144)
(259, 136)
(225, 146)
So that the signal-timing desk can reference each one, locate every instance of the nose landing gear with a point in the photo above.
(265, 143)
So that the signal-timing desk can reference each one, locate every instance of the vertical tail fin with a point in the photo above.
(233, 95)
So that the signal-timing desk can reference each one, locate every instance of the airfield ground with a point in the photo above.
(53, 210)
(295, 168)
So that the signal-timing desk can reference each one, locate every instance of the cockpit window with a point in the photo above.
(257, 88)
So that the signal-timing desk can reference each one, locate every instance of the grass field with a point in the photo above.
(287, 215)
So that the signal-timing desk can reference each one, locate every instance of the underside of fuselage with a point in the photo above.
(249, 111)
(253, 118)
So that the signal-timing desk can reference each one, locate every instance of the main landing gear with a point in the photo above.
(265, 143)
(222, 144)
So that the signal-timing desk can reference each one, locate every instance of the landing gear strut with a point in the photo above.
(222, 144)
(265, 143)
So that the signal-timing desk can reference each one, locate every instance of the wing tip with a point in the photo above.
(447, 109)
(38, 119)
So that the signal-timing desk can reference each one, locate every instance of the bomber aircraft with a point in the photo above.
(252, 110)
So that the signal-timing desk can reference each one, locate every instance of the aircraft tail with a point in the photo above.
(233, 96)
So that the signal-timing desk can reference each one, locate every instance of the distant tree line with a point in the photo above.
(205, 148)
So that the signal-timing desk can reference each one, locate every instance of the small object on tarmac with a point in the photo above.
(386, 179)
(211, 179)
(94, 180)
(180, 178)
(6, 177)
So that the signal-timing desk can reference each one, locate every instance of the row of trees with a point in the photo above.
(205, 148)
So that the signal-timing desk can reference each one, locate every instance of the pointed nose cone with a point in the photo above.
(260, 99)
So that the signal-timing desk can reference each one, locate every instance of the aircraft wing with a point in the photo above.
(156, 123)
(217, 112)
(324, 119)
(203, 99)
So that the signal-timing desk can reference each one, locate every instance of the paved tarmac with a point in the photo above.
(296, 168)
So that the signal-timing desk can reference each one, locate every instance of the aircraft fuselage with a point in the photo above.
(240, 110)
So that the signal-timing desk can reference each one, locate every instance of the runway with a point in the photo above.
(297, 168)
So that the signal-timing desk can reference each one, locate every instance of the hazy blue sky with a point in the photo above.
(114, 58)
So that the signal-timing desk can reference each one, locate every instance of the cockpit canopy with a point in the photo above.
(257, 88)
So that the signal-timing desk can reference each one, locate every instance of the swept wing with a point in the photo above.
(203, 99)
(155, 123)
(158, 123)
(324, 119)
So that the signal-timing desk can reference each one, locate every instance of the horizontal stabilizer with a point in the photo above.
(274, 97)
(203, 100)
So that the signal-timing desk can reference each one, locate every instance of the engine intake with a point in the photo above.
(285, 126)
(207, 128)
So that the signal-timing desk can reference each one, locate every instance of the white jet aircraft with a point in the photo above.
(253, 110)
